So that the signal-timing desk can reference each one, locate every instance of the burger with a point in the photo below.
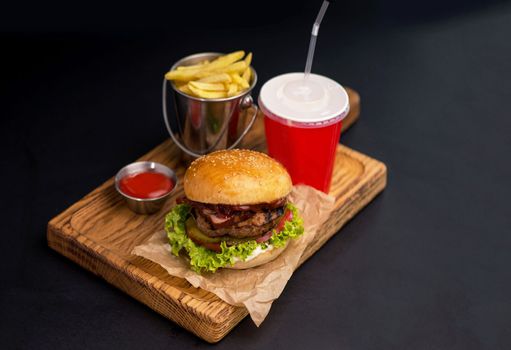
(235, 212)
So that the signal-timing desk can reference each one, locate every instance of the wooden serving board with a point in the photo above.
(99, 232)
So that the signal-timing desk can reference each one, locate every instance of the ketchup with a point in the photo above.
(146, 185)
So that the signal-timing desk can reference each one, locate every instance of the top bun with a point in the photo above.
(236, 177)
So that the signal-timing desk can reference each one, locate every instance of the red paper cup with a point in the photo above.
(303, 125)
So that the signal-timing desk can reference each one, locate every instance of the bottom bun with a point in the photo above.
(261, 259)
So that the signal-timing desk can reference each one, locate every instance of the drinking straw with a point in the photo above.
(314, 36)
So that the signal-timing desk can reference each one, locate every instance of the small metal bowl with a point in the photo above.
(145, 205)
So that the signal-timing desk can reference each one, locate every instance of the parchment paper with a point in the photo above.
(254, 288)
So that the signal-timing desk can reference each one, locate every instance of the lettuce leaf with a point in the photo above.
(292, 229)
(205, 260)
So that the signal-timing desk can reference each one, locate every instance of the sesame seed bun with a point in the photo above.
(236, 177)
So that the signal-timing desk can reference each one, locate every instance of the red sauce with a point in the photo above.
(146, 185)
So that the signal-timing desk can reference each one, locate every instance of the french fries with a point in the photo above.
(246, 74)
(216, 78)
(239, 80)
(206, 94)
(192, 67)
(207, 86)
(225, 76)
(248, 59)
(232, 90)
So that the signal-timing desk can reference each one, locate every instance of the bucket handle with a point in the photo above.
(245, 103)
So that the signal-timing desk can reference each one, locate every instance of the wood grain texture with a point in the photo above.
(99, 231)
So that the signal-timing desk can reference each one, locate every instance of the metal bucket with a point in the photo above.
(205, 125)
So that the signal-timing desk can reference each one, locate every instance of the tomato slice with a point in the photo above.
(288, 216)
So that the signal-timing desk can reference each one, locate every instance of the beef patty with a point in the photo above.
(256, 225)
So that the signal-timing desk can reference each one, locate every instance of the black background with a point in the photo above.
(424, 266)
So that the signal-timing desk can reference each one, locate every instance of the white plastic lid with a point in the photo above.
(313, 100)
